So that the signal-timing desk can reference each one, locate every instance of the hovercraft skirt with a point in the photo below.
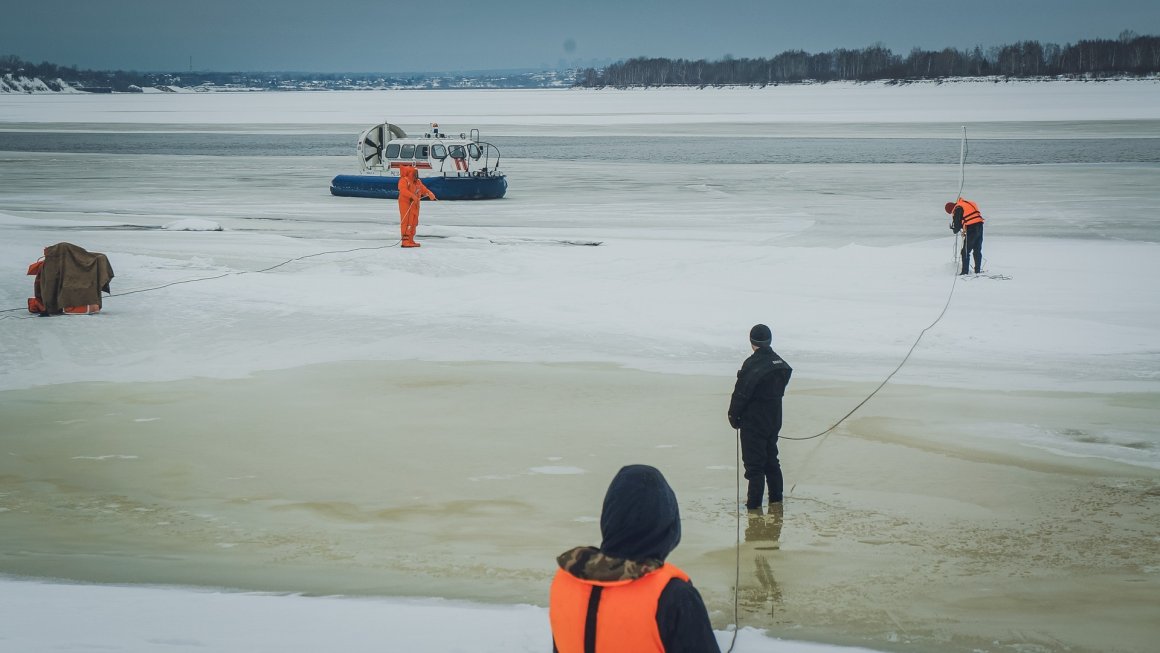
(445, 188)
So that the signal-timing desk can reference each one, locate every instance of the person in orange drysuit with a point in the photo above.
(411, 192)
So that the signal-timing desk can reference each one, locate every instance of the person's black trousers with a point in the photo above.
(973, 244)
(759, 454)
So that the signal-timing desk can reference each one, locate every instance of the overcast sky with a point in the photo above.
(447, 35)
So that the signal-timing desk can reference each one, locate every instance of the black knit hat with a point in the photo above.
(760, 336)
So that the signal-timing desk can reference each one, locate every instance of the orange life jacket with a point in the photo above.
(971, 214)
(625, 619)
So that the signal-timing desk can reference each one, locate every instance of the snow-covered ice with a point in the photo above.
(848, 263)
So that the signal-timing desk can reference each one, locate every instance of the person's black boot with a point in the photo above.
(775, 485)
(756, 491)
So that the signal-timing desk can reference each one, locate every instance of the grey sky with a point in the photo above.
(395, 36)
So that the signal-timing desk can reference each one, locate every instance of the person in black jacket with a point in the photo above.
(755, 409)
(623, 595)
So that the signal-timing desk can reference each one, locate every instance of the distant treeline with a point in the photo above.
(1131, 55)
(53, 75)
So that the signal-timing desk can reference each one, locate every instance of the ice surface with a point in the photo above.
(847, 262)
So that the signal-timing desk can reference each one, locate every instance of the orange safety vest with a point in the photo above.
(971, 214)
(625, 619)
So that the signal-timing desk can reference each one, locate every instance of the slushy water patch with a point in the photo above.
(1108, 444)
(193, 224)
(556, 470)
(491, 477)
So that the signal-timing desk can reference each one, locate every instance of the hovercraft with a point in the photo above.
(454, 167)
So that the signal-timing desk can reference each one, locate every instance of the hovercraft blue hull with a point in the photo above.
(445, 188)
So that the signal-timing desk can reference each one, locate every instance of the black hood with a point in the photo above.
(640, 518)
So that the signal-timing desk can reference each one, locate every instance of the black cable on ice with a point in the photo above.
(962, 181)
(737, 545)
(888, 376)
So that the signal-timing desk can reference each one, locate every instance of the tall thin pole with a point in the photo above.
(962, 180)
(962, 163)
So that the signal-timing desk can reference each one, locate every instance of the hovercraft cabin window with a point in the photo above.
(421, 151)
(438, 151)
(457, 152)
(393, 151)
(408, 151)
(474, 151)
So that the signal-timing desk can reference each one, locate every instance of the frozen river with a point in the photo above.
(443, 422)
(680, 148)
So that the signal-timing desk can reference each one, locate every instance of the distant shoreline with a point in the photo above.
(37, 86)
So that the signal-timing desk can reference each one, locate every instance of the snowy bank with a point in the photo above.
(81, 618)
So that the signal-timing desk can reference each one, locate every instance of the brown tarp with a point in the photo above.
(72, 276)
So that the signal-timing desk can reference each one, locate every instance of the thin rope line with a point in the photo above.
(230, 274)
(737, 551)
(946, 305)
(737, 545)
(905, 358)
(963, 163)
(962, 181)
(241, 272)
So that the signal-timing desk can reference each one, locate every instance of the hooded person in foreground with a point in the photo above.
(623, 597)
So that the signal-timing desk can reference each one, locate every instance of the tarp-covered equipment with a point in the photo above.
(69, 280)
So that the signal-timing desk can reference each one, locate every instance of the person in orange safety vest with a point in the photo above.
(411, 191)
(965, 216)
(623, 597)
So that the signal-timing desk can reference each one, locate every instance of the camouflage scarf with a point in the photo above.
(589, 563)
